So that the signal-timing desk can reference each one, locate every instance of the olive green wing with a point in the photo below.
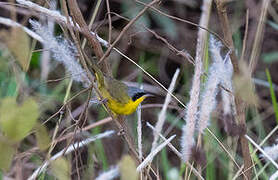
(117, 89)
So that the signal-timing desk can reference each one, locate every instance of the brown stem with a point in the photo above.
(240, 105)
(121, 122)
(77, 15)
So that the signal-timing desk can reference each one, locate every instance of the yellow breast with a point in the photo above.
(124, 109)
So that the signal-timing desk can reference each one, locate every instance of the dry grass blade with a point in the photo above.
(254, 152)
(187, 141)
(162, 114)
(154, 152)
(176, 151)
(68, 150)
(224, 148)
(139, 130)
(261, 150)
(259, 36)
(139, 135)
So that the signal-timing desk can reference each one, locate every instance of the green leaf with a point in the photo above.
(16, 121)
(43, 140)
(35, 60)
(6, 154)
(182, 169)
(165, 163)
(270, 57)
(61, 169)
(272, 93)
(128, 169)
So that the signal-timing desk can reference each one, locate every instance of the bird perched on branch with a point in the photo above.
(121, 99)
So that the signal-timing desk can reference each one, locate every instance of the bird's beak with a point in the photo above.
(149, 95)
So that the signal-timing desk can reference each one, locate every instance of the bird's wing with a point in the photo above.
(117, 89)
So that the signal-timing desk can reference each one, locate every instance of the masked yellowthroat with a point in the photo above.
(121, 99)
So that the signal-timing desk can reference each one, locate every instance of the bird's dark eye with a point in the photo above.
(137, 96)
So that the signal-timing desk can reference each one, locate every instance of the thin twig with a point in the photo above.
(224, 148)
(109, 21)
(162, 114)
(185, 21)
(127, 27)
(164, 40)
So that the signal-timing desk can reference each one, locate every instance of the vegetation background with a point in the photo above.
(43, 112)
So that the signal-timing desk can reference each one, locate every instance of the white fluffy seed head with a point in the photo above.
(272, 151)
(63, 51)
(220, 72)
(208, 97)
(187, 141)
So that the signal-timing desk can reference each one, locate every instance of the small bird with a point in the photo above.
(121, 99)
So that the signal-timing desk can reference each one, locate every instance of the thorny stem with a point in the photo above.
(240, 105)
